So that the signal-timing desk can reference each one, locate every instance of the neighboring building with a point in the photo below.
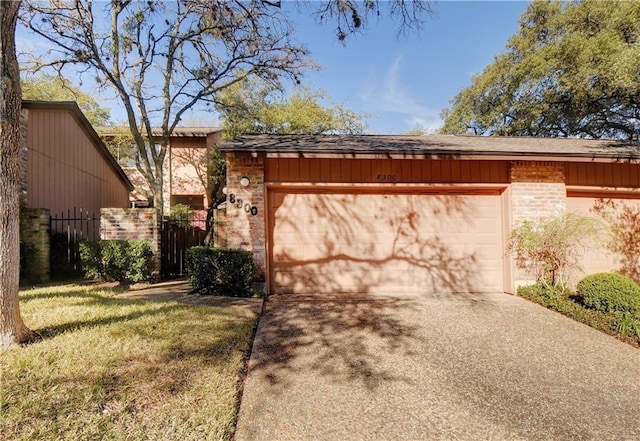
(410, 214)
(185, 170)
(67, 165)
(67, 176)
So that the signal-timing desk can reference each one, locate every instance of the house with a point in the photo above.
(67, 173)
(185, 170)
(67, 166)
(399, 214)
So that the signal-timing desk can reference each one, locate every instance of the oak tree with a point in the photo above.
(258, 107)
(572, 69)
(12, 328)
(54, 88)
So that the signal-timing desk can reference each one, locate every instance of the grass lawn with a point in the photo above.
(112, 366)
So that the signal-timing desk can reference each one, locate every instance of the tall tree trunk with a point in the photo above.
(12, 328)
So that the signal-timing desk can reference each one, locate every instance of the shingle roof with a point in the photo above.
(433, 146)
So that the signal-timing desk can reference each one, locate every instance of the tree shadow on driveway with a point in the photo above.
(341, 336)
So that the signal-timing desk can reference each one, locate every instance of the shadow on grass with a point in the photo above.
(151, 301)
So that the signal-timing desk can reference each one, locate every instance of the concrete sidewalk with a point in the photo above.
(438, 367)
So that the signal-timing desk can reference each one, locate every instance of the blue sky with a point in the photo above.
(405, 82)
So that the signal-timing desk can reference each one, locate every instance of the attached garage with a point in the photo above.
(355, 241)
(397, 214)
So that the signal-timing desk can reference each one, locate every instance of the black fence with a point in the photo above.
(66, 231)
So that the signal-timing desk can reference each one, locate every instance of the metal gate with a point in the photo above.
(66, 231)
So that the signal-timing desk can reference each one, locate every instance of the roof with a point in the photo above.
(84, 123)
(178, 132)
(434, 146)
(189, 131)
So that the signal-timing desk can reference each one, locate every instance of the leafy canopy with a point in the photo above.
(572, 69)
(54, 88)
(255, 106)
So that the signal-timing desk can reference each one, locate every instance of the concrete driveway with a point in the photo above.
(437, 367)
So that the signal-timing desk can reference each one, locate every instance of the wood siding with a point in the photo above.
(65, 169)
(315, 170)
(596, 174)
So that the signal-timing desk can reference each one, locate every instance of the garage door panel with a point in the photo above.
(385, 243)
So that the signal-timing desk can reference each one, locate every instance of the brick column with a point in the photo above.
(133, 223)
(537, 191)
(34, 233)
(246, 208)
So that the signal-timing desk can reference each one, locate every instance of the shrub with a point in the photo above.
(550, 248)
(125, 261)
(610, 292)
(181, 215)
(220, 271)
(624, 222)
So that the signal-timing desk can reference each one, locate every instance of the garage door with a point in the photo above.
(596, 258)
(339, 242)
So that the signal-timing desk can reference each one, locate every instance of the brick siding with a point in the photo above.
(244, 229)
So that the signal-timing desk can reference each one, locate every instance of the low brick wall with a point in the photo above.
(133, 223)
(34, 233)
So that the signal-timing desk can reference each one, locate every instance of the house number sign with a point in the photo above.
(239, 203)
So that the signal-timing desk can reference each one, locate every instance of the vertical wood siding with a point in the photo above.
(65, 168)
(385, 170)
(617, 174)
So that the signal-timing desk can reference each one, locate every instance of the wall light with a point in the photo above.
(244, 181)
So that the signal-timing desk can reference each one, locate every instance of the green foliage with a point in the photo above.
(550, 248)
(256, 106)
(610, 292)
(56, 88)
(220, 271)
(181, 214)
(125, 261)
(624, 222)
(570, 70)
(624, 326)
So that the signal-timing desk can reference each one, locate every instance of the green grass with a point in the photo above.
(625, 327)
(115, 368)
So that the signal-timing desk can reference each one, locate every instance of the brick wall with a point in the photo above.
(246, 207)
(34, 232)
(220, 226)
(537, 190)
(133, 223)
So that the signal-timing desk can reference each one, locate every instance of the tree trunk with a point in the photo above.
(12, 328)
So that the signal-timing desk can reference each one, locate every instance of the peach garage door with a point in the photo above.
(596, 258)
(339, 242)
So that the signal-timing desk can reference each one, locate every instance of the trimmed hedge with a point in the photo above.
(609, 292)
(624, 326)
(125, 261)
(220, 271)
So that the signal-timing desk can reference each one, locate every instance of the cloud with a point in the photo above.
(391, 95)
